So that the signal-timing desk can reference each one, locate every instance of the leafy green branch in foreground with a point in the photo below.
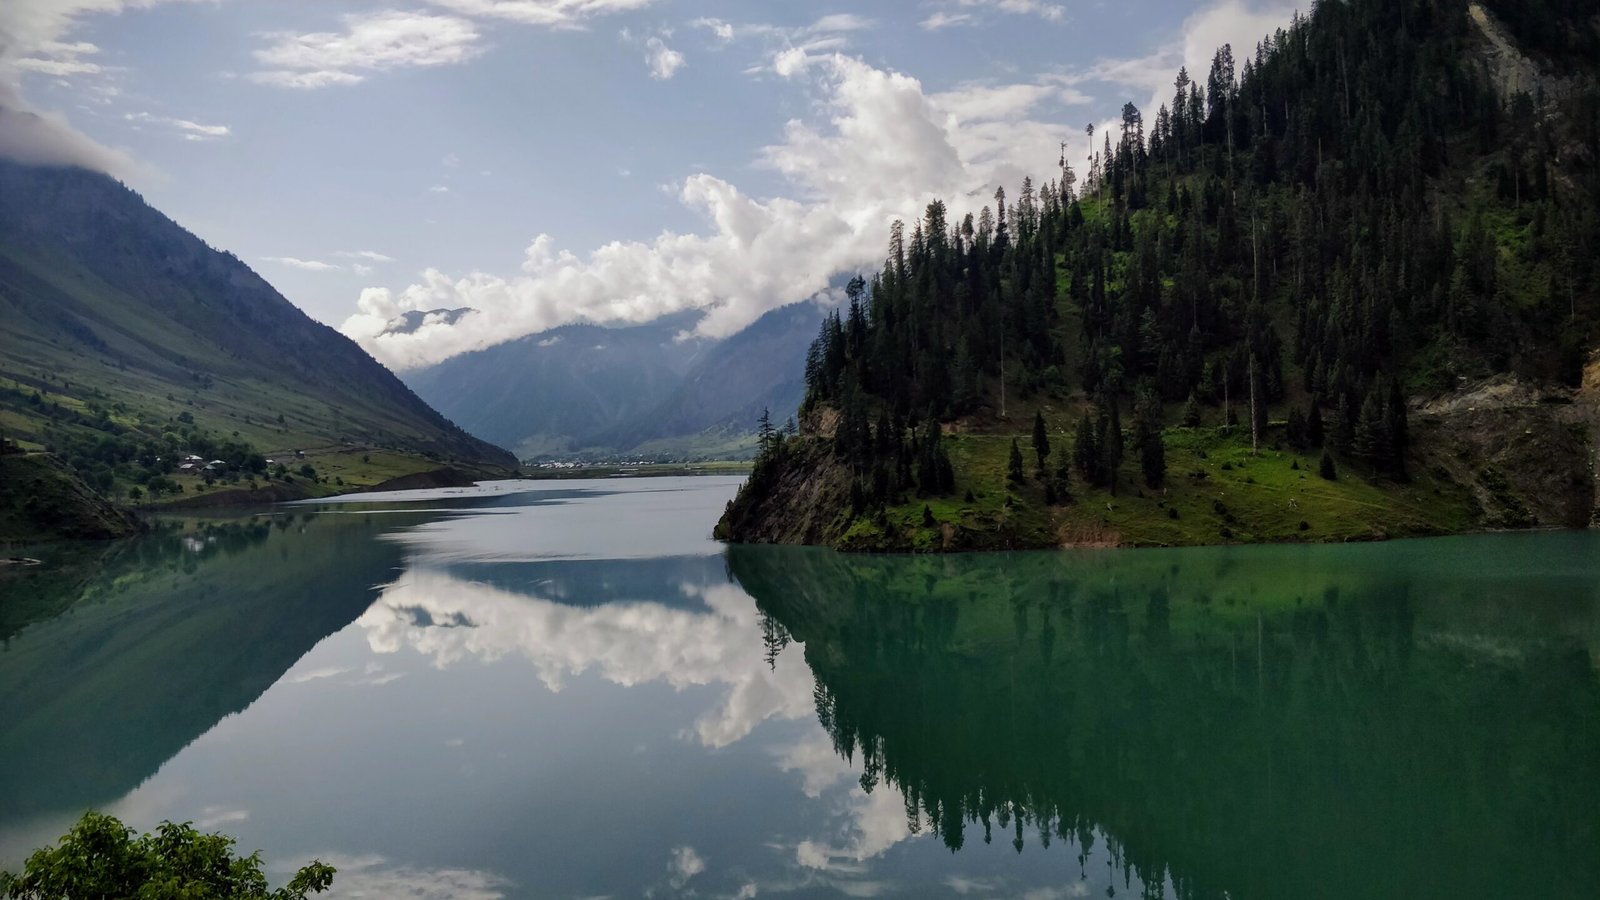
(101, 857)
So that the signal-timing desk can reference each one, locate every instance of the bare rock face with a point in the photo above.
(1551, 84)
(1513, 72)
(1526, 451)
(798, 503)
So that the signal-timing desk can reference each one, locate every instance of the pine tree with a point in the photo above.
(1014, 468)
(1041, 439)
(1086, 450)
(1063, 479)
(766, 436)
(1148, 435)
(1295, 430)
(1191, 412)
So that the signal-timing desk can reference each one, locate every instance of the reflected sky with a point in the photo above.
(568, 690)
(554, 690)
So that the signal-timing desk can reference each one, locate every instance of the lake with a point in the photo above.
(567, 689)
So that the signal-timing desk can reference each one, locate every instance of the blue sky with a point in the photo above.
(547, 161)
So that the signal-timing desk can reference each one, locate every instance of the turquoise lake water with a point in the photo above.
(567, 689)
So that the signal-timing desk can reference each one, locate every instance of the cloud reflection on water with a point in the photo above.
(627, 643)
(450, 620)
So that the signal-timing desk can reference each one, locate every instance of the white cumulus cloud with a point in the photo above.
(847, 184)
(624, 643)
(685, 864)
(664, 62)
(1237, 22)
(877, 147)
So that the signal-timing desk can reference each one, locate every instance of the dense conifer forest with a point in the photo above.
(1366, 208)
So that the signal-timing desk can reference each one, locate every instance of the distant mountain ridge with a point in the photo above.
(409, 321)
(609, 391)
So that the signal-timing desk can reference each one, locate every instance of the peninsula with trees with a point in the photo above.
(1341, 286)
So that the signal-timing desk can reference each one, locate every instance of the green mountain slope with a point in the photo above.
(39, 495)
(1342, 287)
(128, 338)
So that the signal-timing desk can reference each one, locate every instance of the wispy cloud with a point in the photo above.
(60, 59)
(1050, 12)
(193, 131)
(371, 255)
(34, 40)
(943, 19)
(309, 265)
(214, 816)
(371, 42)
(825, 33)
(723, 30)
(548, 13)
(316, 674)
(375, 876)
(948, 18)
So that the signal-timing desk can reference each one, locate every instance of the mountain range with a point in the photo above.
(586, 391)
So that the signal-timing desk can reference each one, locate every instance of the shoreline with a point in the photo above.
(1093, 546)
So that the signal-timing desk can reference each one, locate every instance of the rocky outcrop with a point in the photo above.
(1525, 451)
(796, 499)
(1511, 70)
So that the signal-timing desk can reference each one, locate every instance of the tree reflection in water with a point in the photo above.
(1268, 722)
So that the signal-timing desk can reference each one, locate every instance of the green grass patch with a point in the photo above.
(1216, 491)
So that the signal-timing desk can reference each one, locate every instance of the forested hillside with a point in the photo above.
(1248, 319)
(130, 344)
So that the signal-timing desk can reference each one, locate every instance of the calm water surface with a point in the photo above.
(568, 690)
